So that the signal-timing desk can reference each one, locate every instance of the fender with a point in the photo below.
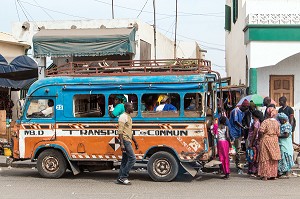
(162, 147)
(57, 145)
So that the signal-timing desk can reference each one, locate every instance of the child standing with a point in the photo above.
(223, 146)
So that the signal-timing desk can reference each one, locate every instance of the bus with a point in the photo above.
(79, 134)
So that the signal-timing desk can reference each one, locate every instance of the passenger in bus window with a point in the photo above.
(192, 106)
(164, 104)
(118, 106)
(49, 111)
(101, 104)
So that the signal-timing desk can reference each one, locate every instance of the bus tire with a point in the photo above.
(162, 167)
(51, 163)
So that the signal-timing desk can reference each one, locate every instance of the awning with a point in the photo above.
(84, 42)
(19, 73)
(21, 68)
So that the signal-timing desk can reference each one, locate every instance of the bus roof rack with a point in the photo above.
(131, 68)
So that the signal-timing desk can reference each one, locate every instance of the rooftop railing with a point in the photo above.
(131, 68)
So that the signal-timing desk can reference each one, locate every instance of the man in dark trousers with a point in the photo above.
(289, 112)
(236, 127)
(126, 137)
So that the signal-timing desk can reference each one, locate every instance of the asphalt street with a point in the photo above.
(26, 183)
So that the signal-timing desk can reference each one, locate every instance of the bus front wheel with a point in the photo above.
(51, 164)
(162, 166)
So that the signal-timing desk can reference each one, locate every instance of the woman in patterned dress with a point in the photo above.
(269, 152)
(286, 146)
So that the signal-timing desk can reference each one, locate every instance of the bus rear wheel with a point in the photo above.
(162, 167)
(51, 164)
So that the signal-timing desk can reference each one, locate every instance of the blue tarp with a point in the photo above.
(20, 72)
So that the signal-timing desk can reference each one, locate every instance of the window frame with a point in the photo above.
(27, 106)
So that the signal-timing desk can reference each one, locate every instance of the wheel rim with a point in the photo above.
(50, 164)
(162, 167)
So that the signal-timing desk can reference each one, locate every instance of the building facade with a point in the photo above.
(263, 43)
(146, 46)
(10, 48)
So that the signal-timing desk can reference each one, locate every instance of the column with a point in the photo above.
(253, 81)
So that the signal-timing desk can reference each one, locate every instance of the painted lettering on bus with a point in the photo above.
(164, 132)
(87, 132)
(34, 132)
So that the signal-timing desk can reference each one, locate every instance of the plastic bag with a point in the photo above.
(232, 151)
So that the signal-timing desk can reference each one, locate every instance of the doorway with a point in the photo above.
(282, 85)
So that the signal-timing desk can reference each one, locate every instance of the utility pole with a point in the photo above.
(154, 30)
(112, 9)
(175, 40)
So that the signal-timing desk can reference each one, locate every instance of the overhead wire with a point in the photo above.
(205, 46)
(17, 10)
(150, 12)
(142, 9)
(23, 10)
(44, 10)
(171, 27)
(168, 16)
(71, 15)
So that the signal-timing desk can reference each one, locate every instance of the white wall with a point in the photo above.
(270, 53)
(273, 6)
(235, 49)
(289, 66)
(11, 51)
(258, 53)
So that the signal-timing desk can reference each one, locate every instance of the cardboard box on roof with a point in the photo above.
(2, 122)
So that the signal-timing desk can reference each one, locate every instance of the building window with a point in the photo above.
(235, 10)
(227, 18)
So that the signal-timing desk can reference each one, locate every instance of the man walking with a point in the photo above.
(126, 137)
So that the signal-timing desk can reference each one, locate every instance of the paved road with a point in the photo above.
(26, 183)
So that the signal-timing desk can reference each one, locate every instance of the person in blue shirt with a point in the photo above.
(164, 104)
(235, 120)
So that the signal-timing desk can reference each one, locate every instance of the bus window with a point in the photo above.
(160, 105)
(89, 105)
(115, 99)
(193, 105)
(40, 108)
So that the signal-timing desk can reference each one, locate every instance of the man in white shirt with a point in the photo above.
(48, 111)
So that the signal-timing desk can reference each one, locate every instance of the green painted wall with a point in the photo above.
(253, 81)
(272, 33)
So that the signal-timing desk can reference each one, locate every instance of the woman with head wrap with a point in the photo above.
(119, 108)
(286, 146)
(164, 104)
(269, 152)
